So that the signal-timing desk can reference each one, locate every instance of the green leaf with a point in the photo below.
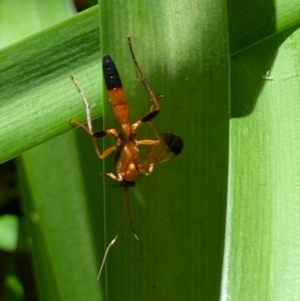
(40, 15)
(179, 215)
(63, 245)
(253, 21)
(262, 239)
(179, 211)
(64, 218)
(37, 96)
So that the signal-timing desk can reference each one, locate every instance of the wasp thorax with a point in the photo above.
(131, 172)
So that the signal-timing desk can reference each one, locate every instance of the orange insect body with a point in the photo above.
(118, 100)
(128, 164)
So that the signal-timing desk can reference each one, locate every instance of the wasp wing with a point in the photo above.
(168, 147)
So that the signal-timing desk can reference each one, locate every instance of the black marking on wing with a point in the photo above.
(174, 143)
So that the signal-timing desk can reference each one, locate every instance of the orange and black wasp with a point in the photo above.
(128, 162)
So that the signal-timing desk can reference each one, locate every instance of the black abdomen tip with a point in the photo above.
(111, 74)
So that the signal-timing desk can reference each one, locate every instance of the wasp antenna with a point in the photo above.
(105, 255)
(126, 196)
(113, 240)
(126, 193)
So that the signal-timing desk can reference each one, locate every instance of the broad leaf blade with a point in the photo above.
(64, 214)
(179, 210)
(37, 95)
(262, 240)
(253, 21)
(58, 205)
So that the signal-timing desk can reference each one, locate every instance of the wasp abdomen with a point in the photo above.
(111, 74)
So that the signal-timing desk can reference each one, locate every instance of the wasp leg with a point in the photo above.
(150, 169)
(135, 125)
(147, 171)
(89, 127)
(98, 134)
(88, 108)
(114, 177)
(147, 142)
(155, 108)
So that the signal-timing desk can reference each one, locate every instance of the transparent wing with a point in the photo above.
(168, 147)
